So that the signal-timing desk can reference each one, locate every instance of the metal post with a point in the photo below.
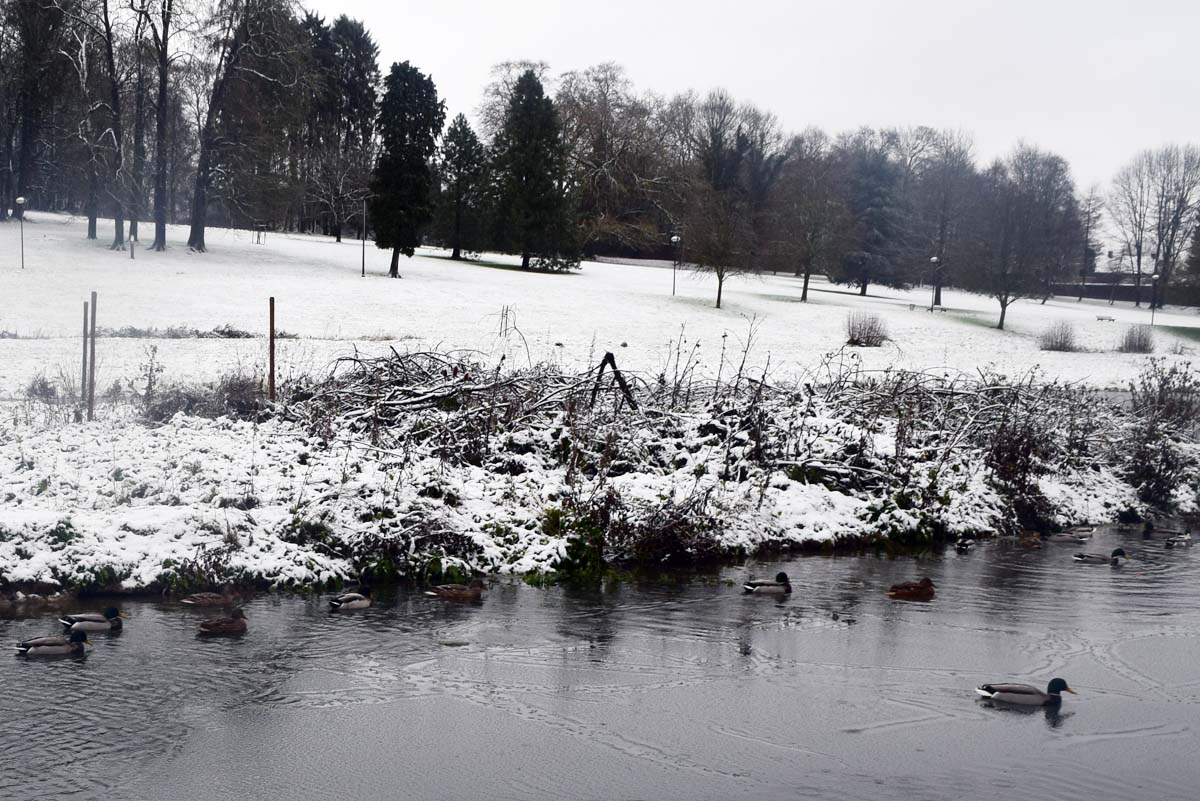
(271, 379)
(91, 393)
(131, 241)
(364, 240)
(83, 382)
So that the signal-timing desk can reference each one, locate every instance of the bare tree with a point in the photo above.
(718, 233)
(1175, 181)
(100, 21)
(1091, 210)
(1131, 207)
(161, 18)
(808, 221)
(499, 91)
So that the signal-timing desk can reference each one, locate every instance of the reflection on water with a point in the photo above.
(679, 689)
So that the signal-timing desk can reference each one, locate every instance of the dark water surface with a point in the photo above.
(673, 691)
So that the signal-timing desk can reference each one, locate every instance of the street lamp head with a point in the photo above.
(934, 260)
(675, 239)
(20, 201)
(1154, 277)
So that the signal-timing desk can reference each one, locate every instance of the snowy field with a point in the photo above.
(571, 319)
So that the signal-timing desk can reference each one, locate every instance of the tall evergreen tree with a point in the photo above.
(873, 207)
(534, 215)
(464, 160)
(410, 119)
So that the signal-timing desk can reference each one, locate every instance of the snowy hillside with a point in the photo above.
(567, 319)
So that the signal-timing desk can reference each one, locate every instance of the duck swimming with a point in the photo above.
(1115, 558)
(922, 590)
(232, 626)
(1183, 540)
(73, 644)
(458, 592)
(1025, 694)
(351, 600)
(210, 599)
(964, 544)
(108, 620)
(1069, 536)
(780, 586)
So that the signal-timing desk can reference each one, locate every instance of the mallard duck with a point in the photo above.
(224, 598)
(458, 592)
(1083, 530)
(1025, 694)
(1069, 536)
(108, 620)
(922, 590)
(964, 544)
(351, 600)
(1147, 530)
(74, 644)
(232, 626)
(780, 586)
(1183, 540)
(1115, 559)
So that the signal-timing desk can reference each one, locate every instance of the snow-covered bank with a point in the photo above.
(566, 319)
(429, 462)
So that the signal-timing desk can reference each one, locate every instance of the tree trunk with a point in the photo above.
(160, 132)
(118, 135)
(337, 228)
(93, 192)
(807, 274)
(720, 287)
(862, 288)
(457, 243)
(200, 193)
(525, 260)
(137, 191)
(1003, 313)
(394, 269)
(937, 290)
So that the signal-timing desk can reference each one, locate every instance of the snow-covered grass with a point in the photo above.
(569, 319)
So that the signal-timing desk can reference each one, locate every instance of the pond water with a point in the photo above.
(682, 689)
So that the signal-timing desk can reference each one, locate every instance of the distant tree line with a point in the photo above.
(256, 112)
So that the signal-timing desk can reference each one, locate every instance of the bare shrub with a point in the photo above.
(865, 330)
(1137, 339)
(238, 395)
(1059, 337)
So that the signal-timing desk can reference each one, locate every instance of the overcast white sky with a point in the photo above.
(1095, 81)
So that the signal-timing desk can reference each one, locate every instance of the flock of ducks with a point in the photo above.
(925, 590)
(74, 639)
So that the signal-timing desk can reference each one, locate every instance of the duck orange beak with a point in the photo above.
(1072, 692)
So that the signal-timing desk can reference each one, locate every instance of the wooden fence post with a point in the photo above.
(271, 378)
(83, 382)
(91, 393)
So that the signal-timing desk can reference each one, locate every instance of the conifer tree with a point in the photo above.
(410, 119)
(464, 161)
(534, 215)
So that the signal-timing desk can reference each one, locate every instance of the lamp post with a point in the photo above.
(675, 240)
(21, 218)
(936, 262)
(1153, 297)
(364, 239)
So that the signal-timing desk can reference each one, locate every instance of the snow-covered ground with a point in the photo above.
(119, 501)
(570, 319)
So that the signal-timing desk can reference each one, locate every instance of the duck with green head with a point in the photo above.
(73, 644)
(110, 619)
(351, 600)
(1115, 558)
(1025, 694)
(780, 586)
